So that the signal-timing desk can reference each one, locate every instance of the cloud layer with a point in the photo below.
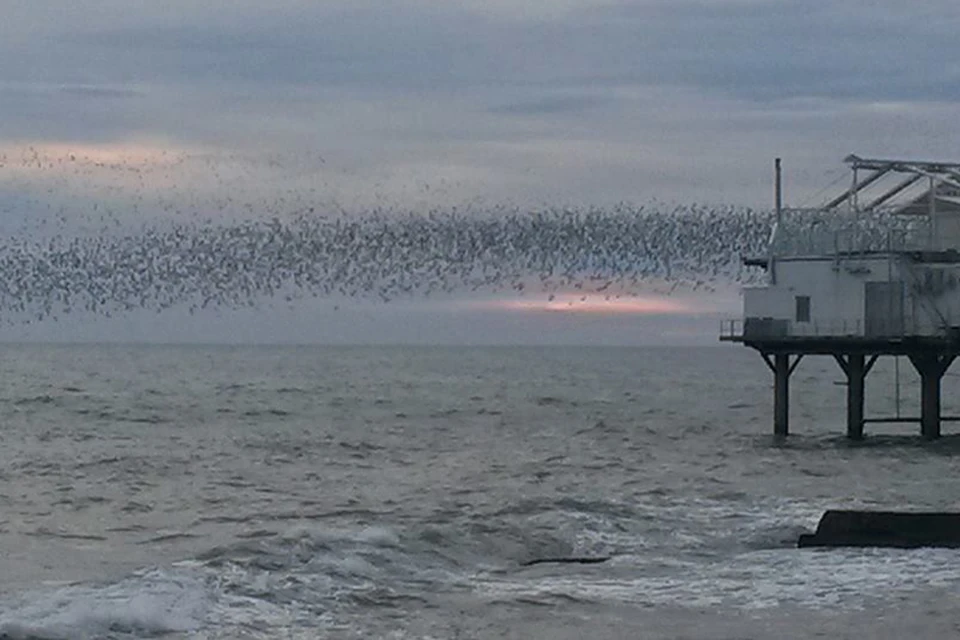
(529, 100)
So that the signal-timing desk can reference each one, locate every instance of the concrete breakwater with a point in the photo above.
(852, 528)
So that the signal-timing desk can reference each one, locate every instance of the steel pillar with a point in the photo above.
(781, 395)
(856, 374)
(782, 368)
(931, 368)
(930, 405)
(856, 366)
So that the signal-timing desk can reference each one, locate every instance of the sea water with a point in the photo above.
(401, 492)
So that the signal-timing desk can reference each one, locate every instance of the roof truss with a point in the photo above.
(939, 175)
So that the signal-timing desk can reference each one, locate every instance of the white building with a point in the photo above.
(865, 265)
(874, 272)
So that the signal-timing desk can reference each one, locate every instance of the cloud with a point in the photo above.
(752, 49)
(539, 100)
(550, 105)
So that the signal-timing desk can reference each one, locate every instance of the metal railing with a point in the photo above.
(885, 328)
(819, 238)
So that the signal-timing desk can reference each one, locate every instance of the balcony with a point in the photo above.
(876, 329)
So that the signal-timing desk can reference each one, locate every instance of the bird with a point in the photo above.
(208, 231)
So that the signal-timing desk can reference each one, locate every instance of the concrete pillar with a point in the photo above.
(781, 394)
(856, 376)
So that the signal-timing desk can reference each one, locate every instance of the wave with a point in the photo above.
(150, 603)
(326, 577)
(779, 536)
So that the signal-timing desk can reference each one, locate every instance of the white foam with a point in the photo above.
(843, 579)
(374, 536)
(148, 603)
(378, 537)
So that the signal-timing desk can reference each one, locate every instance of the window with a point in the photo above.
(803, 308)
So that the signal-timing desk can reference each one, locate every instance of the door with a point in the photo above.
(883, 309)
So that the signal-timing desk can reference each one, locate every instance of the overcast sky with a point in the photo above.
(525, 101)
(546, 100)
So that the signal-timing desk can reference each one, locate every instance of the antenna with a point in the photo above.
(778, 190)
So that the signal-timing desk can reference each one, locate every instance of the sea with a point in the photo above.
(421, 492)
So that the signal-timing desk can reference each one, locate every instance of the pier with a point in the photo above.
(882, 280)
(931, 357)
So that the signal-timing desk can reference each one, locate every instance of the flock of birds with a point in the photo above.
(73, 251)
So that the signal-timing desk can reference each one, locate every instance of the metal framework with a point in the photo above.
(921, 199)
(942, 182)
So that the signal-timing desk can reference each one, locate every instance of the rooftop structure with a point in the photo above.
(873, 271)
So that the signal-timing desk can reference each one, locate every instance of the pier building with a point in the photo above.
(873, 272)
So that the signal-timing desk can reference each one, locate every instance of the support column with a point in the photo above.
(856, 367)
(782, 368)
(931, 368)
(930, 404)
(856, 375)
(781, 394)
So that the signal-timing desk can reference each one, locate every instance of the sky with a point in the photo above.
(413, 102)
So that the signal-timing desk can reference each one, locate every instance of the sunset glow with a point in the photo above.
(592, 304)
(27, 155)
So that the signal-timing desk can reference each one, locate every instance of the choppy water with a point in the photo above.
(397, 492)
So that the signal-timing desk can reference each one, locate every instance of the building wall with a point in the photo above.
(835, 290)
(836, 294)
(928, 301)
